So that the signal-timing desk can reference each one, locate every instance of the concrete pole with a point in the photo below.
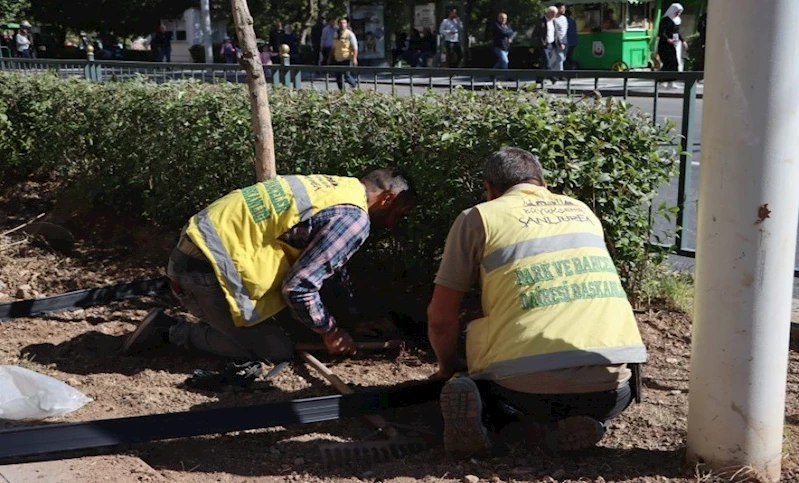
(746, 239)
(205, 20)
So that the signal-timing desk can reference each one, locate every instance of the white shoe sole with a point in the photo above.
(462, 409)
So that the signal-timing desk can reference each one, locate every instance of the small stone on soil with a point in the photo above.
(24, 291)
(470, 479)
(559, 474)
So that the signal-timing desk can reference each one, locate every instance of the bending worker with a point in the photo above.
(553, 354)
(251, 265)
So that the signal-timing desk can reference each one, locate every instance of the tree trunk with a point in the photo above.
(259, 100)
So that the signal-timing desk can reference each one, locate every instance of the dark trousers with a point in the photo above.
(454, 53)
(569, 64)
(163, 54)
(504, 406)
(342, 76)
(194, 284)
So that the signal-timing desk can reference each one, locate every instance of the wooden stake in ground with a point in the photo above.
(259, 100)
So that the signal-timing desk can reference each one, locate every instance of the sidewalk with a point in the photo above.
(635, 87)
(605, 86)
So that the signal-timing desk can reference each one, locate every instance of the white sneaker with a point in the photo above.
(462, 410)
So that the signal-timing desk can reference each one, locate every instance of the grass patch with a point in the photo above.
(663, 286)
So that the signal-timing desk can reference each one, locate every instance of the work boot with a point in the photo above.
(153, 332)
(462, 409)
(569, 434)
(579, 432)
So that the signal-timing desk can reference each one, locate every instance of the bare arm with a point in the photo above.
(443, 328)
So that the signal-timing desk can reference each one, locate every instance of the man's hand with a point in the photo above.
(338, 341)
(355, 61)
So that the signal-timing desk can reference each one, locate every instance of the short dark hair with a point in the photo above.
(510, 166)
(391, 179)
(559, 4)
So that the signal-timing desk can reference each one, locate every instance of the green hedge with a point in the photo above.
(166, 150)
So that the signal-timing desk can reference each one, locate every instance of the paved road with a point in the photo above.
(672, 109)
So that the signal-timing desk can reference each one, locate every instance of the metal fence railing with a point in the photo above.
(641, 88)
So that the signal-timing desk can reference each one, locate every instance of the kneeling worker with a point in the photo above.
(260, 256)
(558, 342)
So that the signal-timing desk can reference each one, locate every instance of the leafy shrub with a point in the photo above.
(166, 150)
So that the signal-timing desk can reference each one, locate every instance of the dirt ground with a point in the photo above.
(645, 444)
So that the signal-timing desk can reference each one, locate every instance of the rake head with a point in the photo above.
(370, 452)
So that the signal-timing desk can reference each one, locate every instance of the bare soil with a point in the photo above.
(645, 444)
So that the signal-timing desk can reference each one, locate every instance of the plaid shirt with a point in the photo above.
(328, 240)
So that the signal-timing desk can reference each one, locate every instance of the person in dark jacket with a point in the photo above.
(316, 38)
(503, 36)
(671, 43)
(162, 44)
(277, 36)
(538, 44)
(571, 40)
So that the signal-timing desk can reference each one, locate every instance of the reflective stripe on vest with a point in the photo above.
(222, 259)
(239, 235)
(304, 205)
(538, 246)
(225, 263)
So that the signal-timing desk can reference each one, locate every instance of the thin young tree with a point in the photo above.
(259, 99)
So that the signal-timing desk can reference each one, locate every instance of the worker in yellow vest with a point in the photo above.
(344, 52)
(252, 265)
(556, 351)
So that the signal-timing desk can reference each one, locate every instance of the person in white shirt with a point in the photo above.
(450, 29)
(23, 44)
(561, 27)
(328, 34)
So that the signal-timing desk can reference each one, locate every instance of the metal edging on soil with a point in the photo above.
(37, 443)
(82, 298)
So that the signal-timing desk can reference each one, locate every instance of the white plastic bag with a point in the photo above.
(25, 394)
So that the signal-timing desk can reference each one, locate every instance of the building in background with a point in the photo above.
(188, 31)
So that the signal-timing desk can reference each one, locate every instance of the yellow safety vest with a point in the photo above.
(239, 233)
(342, 47)
(551, 296)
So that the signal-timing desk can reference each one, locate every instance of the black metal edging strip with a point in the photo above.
(81, 298)
(38, 441)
